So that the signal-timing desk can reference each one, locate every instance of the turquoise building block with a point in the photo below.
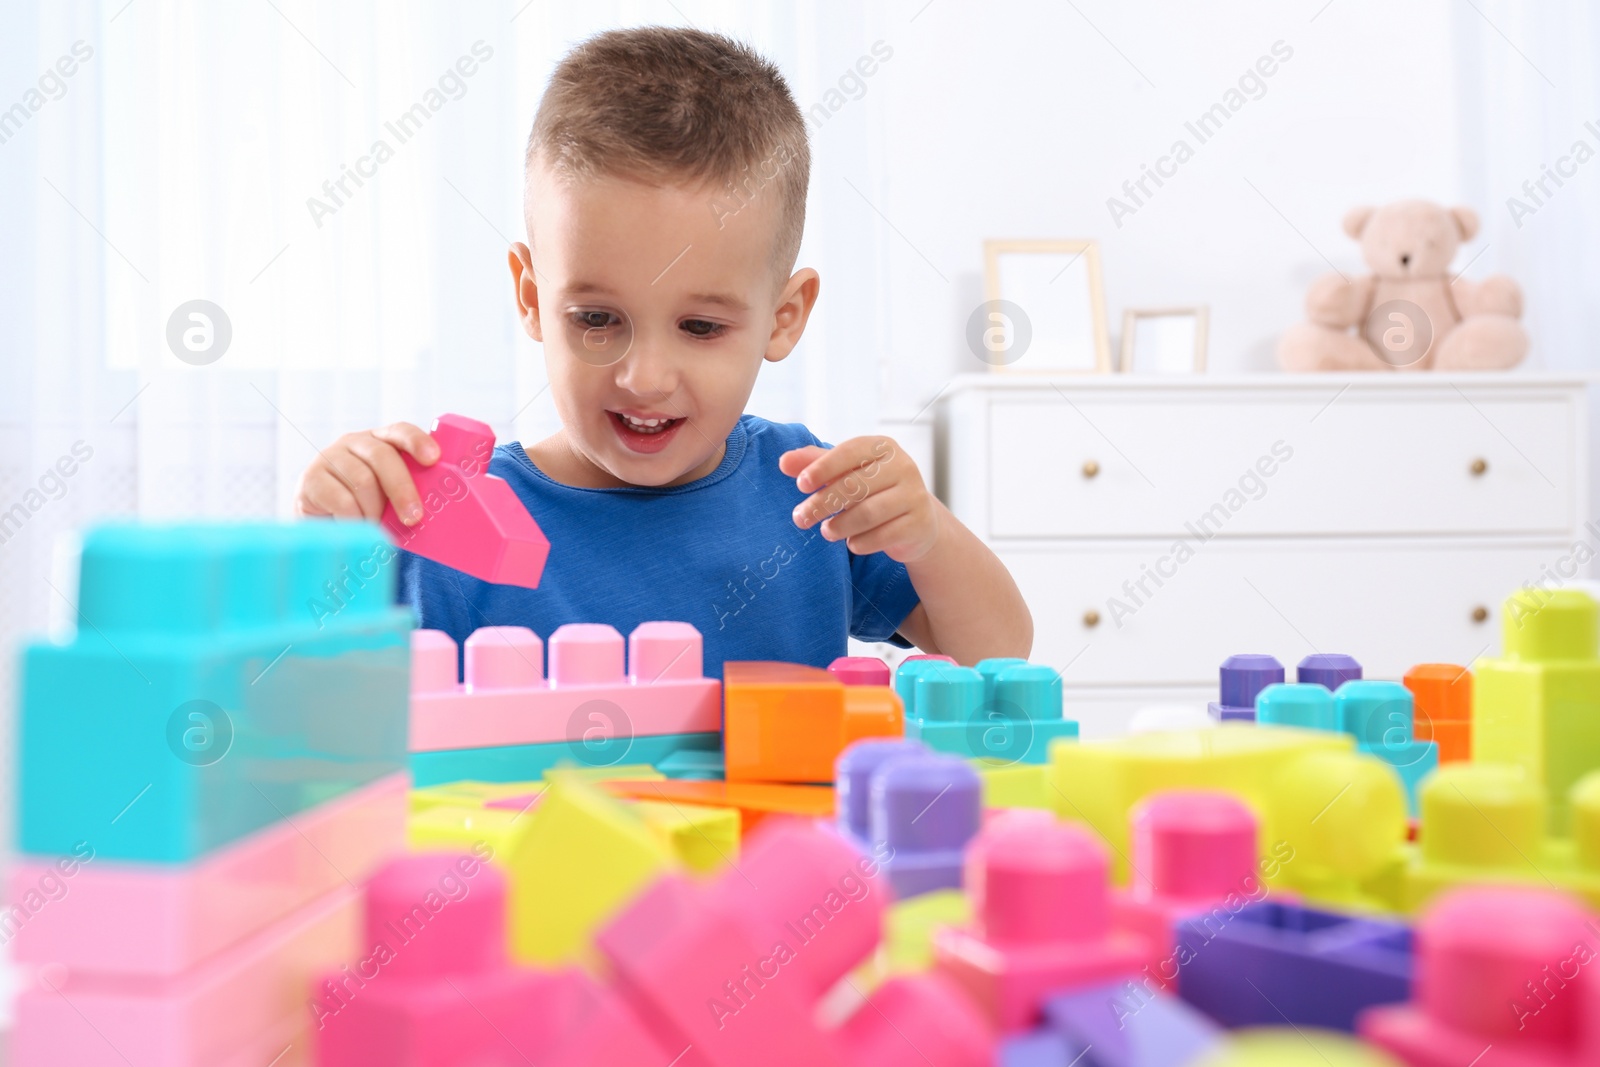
(906, 675)
(1001, 710)
(1379, 715)
(221, 677)
(693, 764)
(1305, 704)
(519, 763)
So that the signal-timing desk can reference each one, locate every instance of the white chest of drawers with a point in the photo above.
(1158, 525)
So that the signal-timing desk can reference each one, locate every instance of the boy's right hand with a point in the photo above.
(357, 475)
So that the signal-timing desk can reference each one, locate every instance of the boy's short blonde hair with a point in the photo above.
(661, 103)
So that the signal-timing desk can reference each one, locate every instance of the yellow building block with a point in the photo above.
(703, 839)
(1294, 1047)
(1538, 706)
(469, 794)
(908, 927)
(571, 862)
(1015, 785)
(1338, 814)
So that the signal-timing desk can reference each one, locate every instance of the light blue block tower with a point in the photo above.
(1003, 709)
(1379, 715)
(222, 677)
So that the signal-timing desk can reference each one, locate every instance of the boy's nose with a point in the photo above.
(647, 371)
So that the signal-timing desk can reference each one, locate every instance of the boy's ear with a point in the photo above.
(527, 290)
(794, 308)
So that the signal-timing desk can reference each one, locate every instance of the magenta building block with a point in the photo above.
(1191, 850)
(1327, 669)
(1501, 968)
(1270, 962)
(860, 670)
(1124, 1024)
(1242, 677)
(472, 521)
(852, 777)
(920, 1020)
(1042, 919)
(924, 808)
(433, 987)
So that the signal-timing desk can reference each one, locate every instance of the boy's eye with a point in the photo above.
(701, 328)
(595, 320)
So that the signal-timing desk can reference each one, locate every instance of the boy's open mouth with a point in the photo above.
(645, 433)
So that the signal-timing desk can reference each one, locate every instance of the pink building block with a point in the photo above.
(1192, 851)
(919, 1021)
(158, 919)
(1505, 978)
(472, 521)
(860, 670)
(433, 986)
(507, 700)
(1042, 919)
(230, 1010)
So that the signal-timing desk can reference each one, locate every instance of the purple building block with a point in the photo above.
(852, 776)
(1269, 963)
(925, 807)
(1041, 1048)
(1243, 676)
(1127, 1024)
(1328, 669)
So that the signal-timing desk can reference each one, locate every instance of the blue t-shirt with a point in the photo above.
(722, 553)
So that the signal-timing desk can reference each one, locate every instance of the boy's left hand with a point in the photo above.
(868, 493)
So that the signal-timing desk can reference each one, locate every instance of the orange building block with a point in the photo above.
(1443, 696)
(755, 800)
(783, 722)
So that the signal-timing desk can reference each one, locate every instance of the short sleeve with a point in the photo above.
(881, 597)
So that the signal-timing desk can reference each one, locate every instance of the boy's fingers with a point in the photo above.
(328, 496)
(393, 479)
(414, 440)
(882, 538)
(845, 491)
(796, 460)
(869, 514)
(834, 462)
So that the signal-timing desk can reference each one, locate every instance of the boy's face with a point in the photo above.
(655, 319)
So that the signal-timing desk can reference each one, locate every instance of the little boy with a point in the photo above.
(665, 192)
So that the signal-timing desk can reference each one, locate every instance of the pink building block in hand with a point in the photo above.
(1505, 978)
(1192, 851)
(860, 670)
(1042, 923)
(434, 988)
(472, 521)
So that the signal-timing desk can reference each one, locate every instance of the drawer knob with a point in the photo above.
(1090, 468)
(1480, 613)
(1479, 465)
(1091, 618)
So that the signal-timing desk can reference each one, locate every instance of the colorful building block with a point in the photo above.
(693, 765)
(587, 701)
(1121, 1024)
(1193, 851)
(1042, 919)
(432, 986)
(922, 809)
(701, 838)
(1009, 713)
(159, 920)
(221, 678)
(1242, 677)
(1535, 706)
(852, 775)
(1303, 704)
(244, 1004)
(784, 722)
(909, 926)
(471, 520)
(1040, 1048)
(1014, 785)
(860, 670)
(754, 801)
(1294, 1046)
(516, 763)
(1378, 714)
(1338, 814)
(1505, 978)
(1327, 669)
(913, 667)
(571, 860)
(1272, 962)
(1442, 693)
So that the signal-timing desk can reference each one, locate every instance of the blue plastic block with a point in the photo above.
(1241, 677)
(1042, 1048)
(952, 710)
(519, 763)
(1303, 704)
(1271, 963)
(221, 677)
(1125, 1024)
(692, 764)
(905, 680)
(1379, 715)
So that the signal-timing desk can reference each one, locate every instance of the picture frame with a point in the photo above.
(1058, 287)
(1169, 340)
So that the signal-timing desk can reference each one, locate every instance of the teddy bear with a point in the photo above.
(1408, 314)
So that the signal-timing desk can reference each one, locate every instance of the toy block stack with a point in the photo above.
(1242, 678)
(507, 721)
(207, 766)
(1003, 711)
(1443, 702)
(785, 722)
